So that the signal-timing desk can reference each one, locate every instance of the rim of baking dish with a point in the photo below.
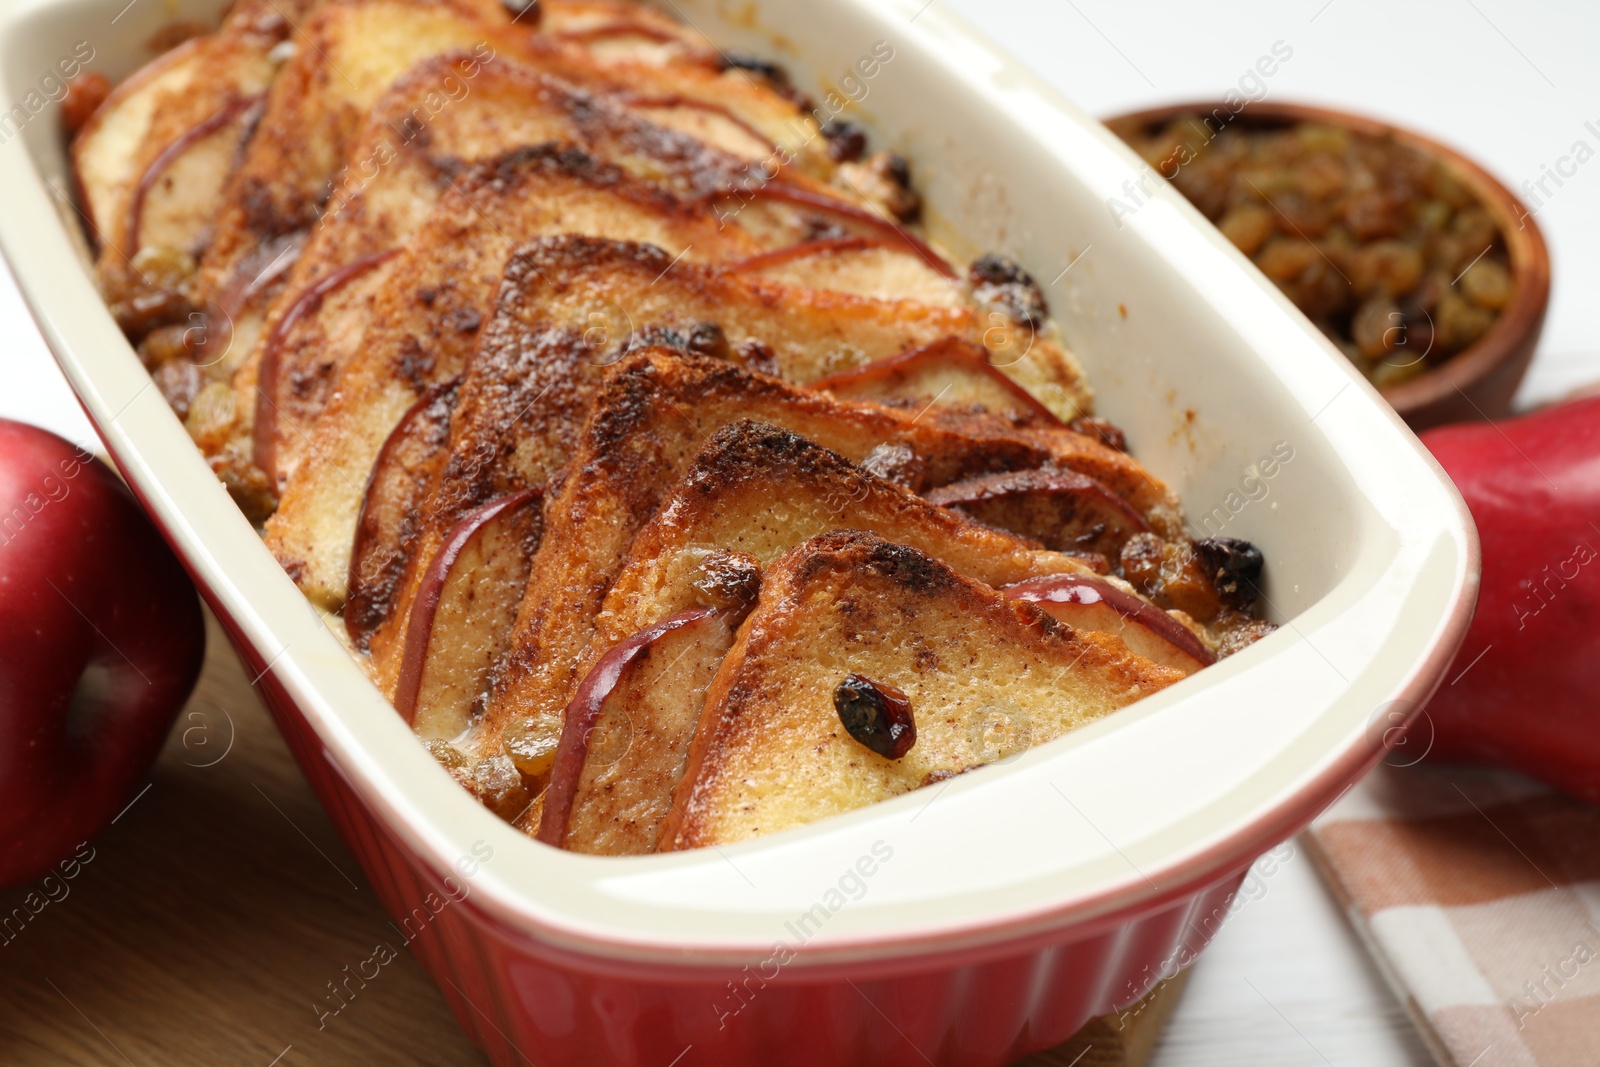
(1143, 808)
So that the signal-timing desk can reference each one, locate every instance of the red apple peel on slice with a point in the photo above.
(387, 527)
(584, 711)
(265, 442)
(463, 611)
(212, 124)
(1062, 510)
(889, 230)
(965, 369)
(1086, 602)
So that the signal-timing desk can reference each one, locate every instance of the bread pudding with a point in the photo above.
(670, 482)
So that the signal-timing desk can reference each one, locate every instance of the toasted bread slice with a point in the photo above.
(985, 677)
(753, 493)
(427, 320)
(809, 332)
(351, 53)
(653, 413)
(568, 307)
(152, 162)
(347, 52)
(382, 197)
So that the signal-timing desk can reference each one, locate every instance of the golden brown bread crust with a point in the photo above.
(760, 490)
(569, 306)
(653, 413)
(427, 321)
(445, 111)
(754, 491)
(314, 112)
(810, 332)
(986, 677)
(415, 147)
(156, 107)
(347, 53)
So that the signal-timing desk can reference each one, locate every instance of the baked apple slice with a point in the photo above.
(858, 646)
(462, 617)
(753, 493)
(866, 264)
(1089, 602)
(952, 372)
(652, 414)
(1061, 509)
(387, 524)
(429, 316)
(628, 725)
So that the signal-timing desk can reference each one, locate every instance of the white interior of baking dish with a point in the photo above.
(1371, 561)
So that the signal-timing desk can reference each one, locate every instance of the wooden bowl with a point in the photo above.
(1477, 383)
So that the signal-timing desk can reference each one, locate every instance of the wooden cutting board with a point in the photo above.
(209, 919)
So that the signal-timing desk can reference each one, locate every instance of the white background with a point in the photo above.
(1514, 84)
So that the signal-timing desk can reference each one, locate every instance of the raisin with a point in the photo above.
(898, 168)
(531, 744)
(1002, 281)
(180, 382)
(756, 65)
(1234, 567)
(708, 339)
(729, 582)
(249, 486)
(847, 141)
(877, 715)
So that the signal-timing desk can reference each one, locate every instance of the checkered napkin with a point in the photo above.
(1478, 892)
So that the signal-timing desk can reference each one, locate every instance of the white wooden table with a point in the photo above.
(1286, 983)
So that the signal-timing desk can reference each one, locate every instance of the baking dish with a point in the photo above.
(971, 922)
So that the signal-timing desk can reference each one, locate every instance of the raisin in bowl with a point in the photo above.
(1413, 260)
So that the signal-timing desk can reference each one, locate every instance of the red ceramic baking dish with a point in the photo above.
(968, 923)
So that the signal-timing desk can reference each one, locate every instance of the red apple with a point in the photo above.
(1524, 691)
(101, 640)
(1090, 603)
